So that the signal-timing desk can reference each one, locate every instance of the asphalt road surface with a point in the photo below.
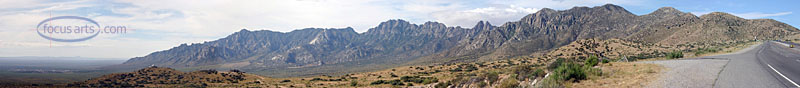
(769, 65)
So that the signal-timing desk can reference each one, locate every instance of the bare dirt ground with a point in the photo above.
(622, 75)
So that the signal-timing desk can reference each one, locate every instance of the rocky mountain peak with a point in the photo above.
(608, 11)
(394, 23)
(391, 26)
(545, 11)
(612, 7)
(668, 11)
(432, 23)
(719, 15)
(244, 30)
(483, 25)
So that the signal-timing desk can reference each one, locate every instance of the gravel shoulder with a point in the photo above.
(688, 73)
(700, 72)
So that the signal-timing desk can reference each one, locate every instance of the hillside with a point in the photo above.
(168, 77)
(394, 43)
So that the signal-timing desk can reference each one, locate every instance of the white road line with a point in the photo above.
(779, 73)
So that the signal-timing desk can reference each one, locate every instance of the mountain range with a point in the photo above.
(393, 43)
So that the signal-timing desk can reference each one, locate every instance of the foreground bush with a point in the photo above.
(591, 61)
(509, 83)
(675, 55)
(569, 71)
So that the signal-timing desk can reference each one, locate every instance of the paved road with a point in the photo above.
(769, 65)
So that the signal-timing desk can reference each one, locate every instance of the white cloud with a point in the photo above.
(496, 15)
(217, 17)
(754, 15)
(39, 5)
(502, 11)
(60, 7)
(565, 4)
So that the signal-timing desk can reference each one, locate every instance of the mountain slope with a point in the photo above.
(548, 29)
(398, 42)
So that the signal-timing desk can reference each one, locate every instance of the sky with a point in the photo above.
(157, 25)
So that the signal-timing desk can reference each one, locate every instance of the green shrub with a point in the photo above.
(377, 82)
(701, 51)
(569, 71)
(470, 68)
(629, 58)
(509, 83)
(417, 79)
(395, 82)
(457, 69)
(550, 82)
(523, 71)
(482, 84)
(591, 61)
(392, 82)
(392, 75)
(538, 73)
(674, 55)
(354, 83)
(556, 63)
(442, 85)
(606, 61)
(593, 71)
(317, 79)
(492, 77)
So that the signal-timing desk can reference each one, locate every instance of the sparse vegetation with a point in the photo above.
(417, 79)
(591, 61)
(569, 71)
(163, 76)
(509, 83)
(492, 77)
(556, 63)
(674, 55)
(353, 83)
(701, 51)
(395, 82)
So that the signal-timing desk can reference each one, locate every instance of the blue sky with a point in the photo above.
(162, 24)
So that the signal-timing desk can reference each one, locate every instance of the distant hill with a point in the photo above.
(394, 43)
(167, 77)
(52, 70)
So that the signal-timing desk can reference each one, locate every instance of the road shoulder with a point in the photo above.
(688, 73)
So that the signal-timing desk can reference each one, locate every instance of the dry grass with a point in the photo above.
(610, 48)
(731, 49)
(622, 75)
(365, 78)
